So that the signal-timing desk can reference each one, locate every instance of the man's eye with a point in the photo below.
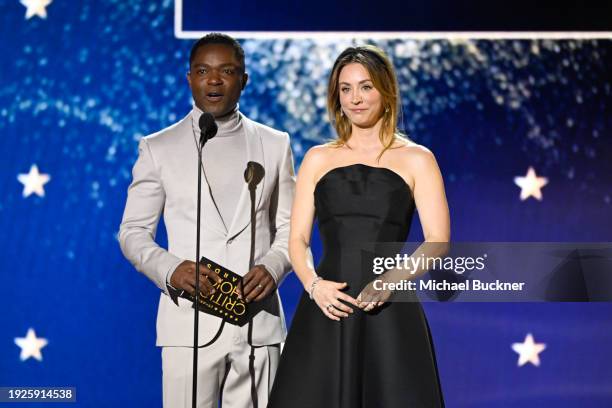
(228, 71)
(202, 71)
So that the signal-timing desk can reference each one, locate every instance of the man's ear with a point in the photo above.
(245, 79)
(189, 78)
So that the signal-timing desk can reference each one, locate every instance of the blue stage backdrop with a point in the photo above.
(394, 16)
(81, 82)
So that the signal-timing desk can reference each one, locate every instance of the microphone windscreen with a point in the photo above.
(208, 127)
(254, 173)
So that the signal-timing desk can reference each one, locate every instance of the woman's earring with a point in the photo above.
(387, 109)
(341, 112)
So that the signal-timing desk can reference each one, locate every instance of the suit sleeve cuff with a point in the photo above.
(272, 265)
(169, 273)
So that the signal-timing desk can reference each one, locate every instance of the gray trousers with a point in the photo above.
(223, 373)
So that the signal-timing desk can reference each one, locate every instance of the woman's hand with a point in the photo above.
(370, 298)
(328, 296)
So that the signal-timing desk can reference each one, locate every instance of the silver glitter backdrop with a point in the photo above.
(79, 88)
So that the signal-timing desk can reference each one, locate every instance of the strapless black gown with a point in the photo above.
(379, 359)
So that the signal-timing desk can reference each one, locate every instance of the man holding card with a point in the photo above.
(165, 181)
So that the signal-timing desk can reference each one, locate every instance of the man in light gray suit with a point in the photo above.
(164, 182)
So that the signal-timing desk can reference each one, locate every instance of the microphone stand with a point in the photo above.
(254, 398)
(208, 129)
(196, 313)
(253, 174)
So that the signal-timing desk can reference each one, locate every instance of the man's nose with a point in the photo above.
(214, 78)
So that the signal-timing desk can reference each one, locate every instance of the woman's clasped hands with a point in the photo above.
(335, 303)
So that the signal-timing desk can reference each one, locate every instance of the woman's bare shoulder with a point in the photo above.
(320, 151)
(409, 152)
(318, 155)
(317, 159)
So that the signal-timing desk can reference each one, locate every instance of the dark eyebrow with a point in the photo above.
(361, 82)
(221, 66)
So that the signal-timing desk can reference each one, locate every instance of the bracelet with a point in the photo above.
(312, 286)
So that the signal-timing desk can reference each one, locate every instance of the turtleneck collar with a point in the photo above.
(228, 125)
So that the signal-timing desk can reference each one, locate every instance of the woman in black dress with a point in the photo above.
(345, 350)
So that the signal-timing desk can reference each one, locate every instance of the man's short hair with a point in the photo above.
(218, 38)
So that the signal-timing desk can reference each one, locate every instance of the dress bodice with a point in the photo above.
(358, 203)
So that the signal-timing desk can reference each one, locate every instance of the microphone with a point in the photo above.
(253, 174)
(208, 127)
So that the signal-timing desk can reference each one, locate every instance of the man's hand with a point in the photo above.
(258, 284)
(184, 277)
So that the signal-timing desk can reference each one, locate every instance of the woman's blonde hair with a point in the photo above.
(381, 71)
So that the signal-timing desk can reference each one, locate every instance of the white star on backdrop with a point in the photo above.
(30, 345)
(33, 182)
(528, 351)
(36, 8)
(531, 185)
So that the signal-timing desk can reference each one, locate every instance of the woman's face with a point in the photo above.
(359, 100)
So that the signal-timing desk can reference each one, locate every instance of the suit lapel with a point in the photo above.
(254, 152)
(213, 203)
(211, 216)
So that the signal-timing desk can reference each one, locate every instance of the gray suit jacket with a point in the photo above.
(165, 182)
